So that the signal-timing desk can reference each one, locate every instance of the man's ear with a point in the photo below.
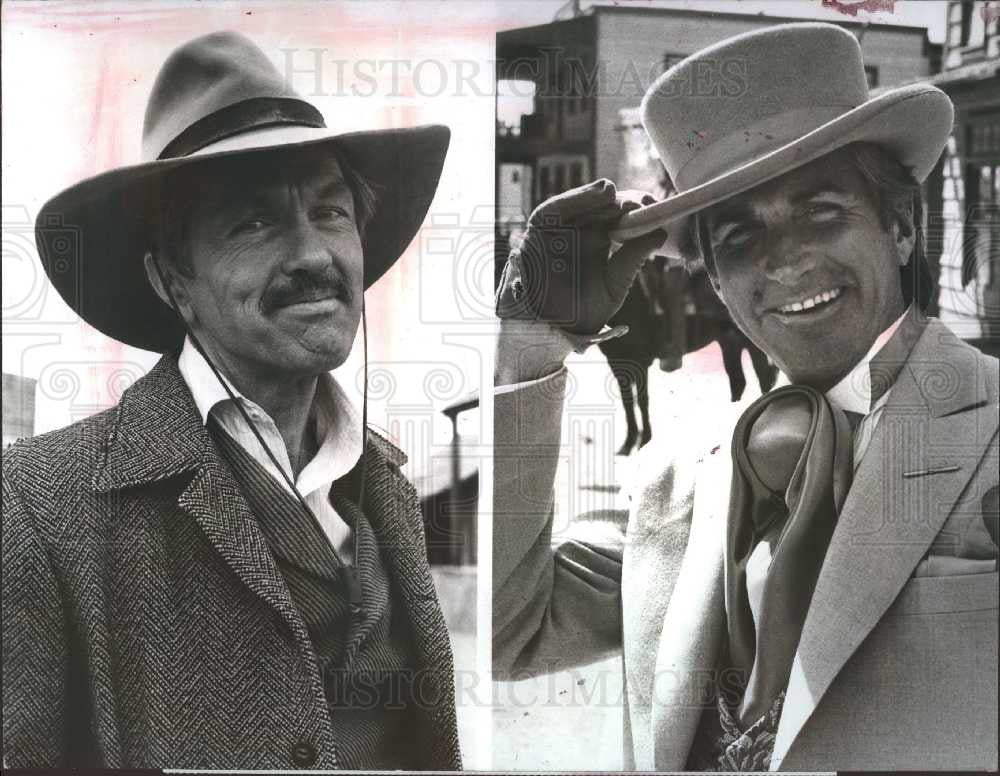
(904, 234)
(153, 269)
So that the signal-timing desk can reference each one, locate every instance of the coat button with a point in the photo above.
(303, 754)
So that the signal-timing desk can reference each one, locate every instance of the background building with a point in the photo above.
(18, 408)
(964, 192)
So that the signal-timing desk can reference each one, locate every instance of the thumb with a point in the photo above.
(625, 263)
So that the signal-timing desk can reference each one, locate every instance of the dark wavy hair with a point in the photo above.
(898, 198)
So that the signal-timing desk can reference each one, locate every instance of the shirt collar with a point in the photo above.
(205, 387)
(854, 392)
(338, 419)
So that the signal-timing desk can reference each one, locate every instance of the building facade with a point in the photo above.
(18, 408)
(964, 193)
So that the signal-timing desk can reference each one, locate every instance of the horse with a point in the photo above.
(657, 310)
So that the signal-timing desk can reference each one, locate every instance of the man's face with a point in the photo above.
(278, 269)
(807, 270)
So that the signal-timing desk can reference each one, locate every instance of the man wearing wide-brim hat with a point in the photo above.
(817, 590)
(227, 570)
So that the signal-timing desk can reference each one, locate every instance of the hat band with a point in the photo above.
(751, 142)
(239, 117)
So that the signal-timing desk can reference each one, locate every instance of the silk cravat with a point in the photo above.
(792, 469)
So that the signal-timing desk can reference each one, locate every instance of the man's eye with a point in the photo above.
(822, 210)
(331, 212)
(736, 237)
(250, 225)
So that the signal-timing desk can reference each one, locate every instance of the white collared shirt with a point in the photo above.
(338, 431)
(854, 393)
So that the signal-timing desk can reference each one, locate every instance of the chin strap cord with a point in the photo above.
(351, 575)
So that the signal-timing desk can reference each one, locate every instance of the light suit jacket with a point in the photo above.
(145, 620)
(895, 669)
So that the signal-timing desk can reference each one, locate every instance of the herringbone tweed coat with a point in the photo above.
(145, 621)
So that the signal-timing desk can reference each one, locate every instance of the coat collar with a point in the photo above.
(941, 415)
(158, 433)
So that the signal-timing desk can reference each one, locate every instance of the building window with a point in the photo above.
(871, 75)
(963, 38)
(515, 102)
(973, 29)
(981, 238)
(981, 230)
(544, 184)
(575, 175)
(560, 184)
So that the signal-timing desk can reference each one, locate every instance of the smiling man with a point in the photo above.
(820, 245)
(227, 570)
(817, 591)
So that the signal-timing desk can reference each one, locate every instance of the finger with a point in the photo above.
(625, 263)
(606, 216)
(516, 274)
(630, 199)
(574, 203)
(625, 202)
(508, 302)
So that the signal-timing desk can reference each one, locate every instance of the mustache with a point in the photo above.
(307, 286)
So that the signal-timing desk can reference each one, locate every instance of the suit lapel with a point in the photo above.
(158, 434)
(936, 419)
(694, 623)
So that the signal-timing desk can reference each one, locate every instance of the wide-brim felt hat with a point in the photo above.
(218, 96)
(758, 105)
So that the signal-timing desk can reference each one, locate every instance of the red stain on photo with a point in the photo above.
(850, 8)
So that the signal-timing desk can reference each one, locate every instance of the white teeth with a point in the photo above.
(806, 304)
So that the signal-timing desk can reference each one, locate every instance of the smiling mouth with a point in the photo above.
(810, 304)
(307, 300)
(313, 299)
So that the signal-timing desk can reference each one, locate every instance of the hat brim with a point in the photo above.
(913, 123)
(92, 237)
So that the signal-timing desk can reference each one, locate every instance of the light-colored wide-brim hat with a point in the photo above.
(218, 96)
(760, 104)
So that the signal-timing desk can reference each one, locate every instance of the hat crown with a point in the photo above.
(207, 77)
(741, 99)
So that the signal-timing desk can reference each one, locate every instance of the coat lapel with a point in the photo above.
(694, 623)
(158, 434)
(393, 509)
(936, 418)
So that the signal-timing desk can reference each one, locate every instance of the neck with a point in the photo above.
(289, 405)
(287, 400)
(878, 346)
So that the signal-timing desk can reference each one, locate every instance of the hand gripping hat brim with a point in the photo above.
(794, 93)
(217, 96)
